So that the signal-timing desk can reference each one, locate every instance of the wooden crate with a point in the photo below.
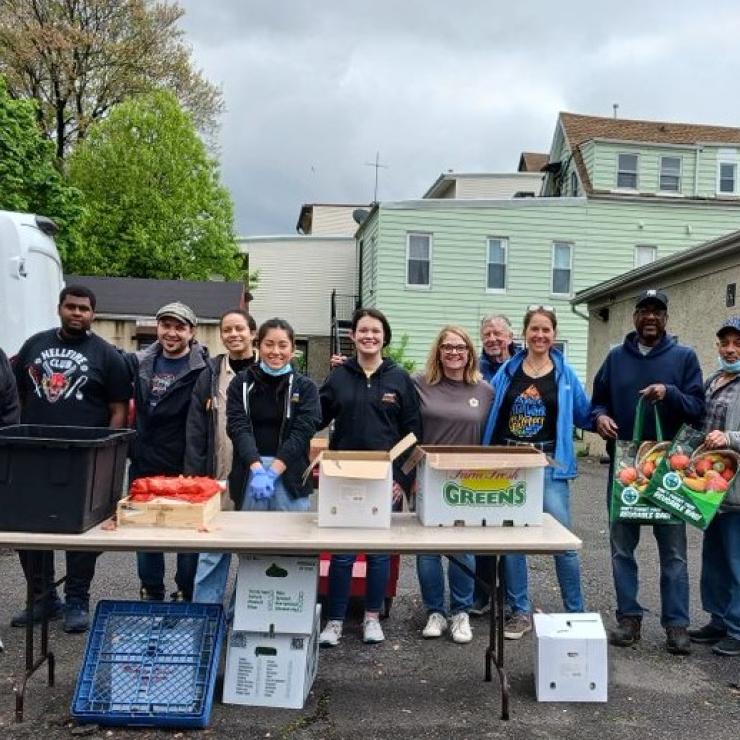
(166, 512)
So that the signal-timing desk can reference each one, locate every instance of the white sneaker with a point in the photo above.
(460, 628)
(372, 631)
(331, 634)
(435, 626)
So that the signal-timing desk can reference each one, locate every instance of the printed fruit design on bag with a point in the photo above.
(647, 460)
(706, 471)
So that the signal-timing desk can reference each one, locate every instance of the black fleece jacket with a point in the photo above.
(371, 413)
(301, 415)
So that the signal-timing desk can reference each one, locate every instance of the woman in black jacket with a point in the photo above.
(373, 404)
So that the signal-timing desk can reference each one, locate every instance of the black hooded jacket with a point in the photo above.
(371, 413)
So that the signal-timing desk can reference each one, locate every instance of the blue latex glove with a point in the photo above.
(261, 485)
(273, 475)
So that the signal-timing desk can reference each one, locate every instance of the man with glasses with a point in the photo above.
(650, 364)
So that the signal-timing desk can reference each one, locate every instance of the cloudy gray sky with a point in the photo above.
(314, 88)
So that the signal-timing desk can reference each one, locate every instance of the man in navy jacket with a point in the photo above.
(652, 365)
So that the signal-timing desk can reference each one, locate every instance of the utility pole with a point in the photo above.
(377, 166)
(615, 106)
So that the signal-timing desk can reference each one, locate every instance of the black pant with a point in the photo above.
(483, 565)
(80, 572)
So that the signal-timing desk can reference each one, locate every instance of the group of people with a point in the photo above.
(247, 416)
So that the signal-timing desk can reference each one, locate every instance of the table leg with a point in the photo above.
(46, 656)
(495, 650)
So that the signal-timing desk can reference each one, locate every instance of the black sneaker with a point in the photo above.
(727, 646)
(627, 632)
(180, 596)
(53, 610)
(708, 634)
(148, 594)
(481, 606)
(677, 641)
(76, 617)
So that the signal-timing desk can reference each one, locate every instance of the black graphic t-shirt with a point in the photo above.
(69, 382)
(166, 372)
(529, 410)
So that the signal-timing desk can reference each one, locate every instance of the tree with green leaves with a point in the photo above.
(79, 58)
(154, 204)
(29, 179)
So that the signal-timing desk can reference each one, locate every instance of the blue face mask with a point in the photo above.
(284, 370)
(729, 367)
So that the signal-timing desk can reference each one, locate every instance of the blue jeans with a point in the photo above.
(213, 567)
(432, 583)
(556, 501)
(720, 572)
(340, 583)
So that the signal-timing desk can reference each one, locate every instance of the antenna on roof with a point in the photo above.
(377, 166)
(616, 108)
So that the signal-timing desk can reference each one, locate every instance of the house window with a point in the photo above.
(727, 177)
(627, 171)
(498, 250)
(562, 262)
(670, 174)
(645, 254)
(574, 184)
(418, 260)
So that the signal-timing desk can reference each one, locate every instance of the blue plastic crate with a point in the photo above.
(150, 663)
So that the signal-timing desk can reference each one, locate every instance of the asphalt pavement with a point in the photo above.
(414, 688)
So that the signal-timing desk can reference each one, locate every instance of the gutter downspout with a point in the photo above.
(584, 316)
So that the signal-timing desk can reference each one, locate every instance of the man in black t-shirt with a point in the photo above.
(164, 376)
(69, 377)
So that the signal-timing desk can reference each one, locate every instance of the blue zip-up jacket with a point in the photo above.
(626, 371)
(574, 409)
(489, 367)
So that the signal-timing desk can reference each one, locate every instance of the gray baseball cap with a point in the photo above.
(178, 311)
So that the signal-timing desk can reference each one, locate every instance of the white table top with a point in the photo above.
(299, 533)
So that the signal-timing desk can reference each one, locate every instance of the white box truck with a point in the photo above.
(30, 277)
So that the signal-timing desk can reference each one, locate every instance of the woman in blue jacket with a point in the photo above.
(538, 401)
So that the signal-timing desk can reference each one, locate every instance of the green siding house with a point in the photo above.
(616, 194)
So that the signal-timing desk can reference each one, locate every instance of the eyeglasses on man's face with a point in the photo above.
(450, 349)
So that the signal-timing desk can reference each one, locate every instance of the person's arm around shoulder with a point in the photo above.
(196, 426)
(238, 421)
(10, 409)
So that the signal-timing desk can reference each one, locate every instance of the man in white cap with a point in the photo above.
(164, 375)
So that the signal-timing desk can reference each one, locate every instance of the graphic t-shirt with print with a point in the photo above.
(529, 410)
(69, 382)
(166, 372)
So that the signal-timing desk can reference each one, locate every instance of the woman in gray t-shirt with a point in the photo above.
(454, 406)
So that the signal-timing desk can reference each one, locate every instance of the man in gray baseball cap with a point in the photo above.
(164, 376)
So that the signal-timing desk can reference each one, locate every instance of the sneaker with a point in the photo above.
(180, 596)
(435, 626)
(460, 629)
(76, 617)
(708, 634)
(627, 632)
(331, 634)
(147, 594)
(53, 610)
(517, 625)
(727, 646)
(481, 606)
(677, 640)
(372, 632)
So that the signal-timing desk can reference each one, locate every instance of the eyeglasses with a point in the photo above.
(449, 349)
(540, 307)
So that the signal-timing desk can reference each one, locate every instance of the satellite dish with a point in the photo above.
(359, 215)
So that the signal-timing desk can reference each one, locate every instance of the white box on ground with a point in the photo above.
(276, 593)
(570, 657)
(271, 670)
(479, 486)
(356, 487)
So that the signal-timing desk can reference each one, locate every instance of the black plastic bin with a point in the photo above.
(60, 479)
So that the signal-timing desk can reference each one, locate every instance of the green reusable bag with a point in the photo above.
(635, 462)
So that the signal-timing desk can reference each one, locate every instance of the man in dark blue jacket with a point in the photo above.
(497, 339)
(652, 365)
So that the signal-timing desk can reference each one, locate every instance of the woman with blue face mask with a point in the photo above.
(720, 567)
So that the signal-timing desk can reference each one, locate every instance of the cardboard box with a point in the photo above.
(276, 593)
(356, 487)
(167, 512)
(271, 670)
(479, 486)
(570, 657)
